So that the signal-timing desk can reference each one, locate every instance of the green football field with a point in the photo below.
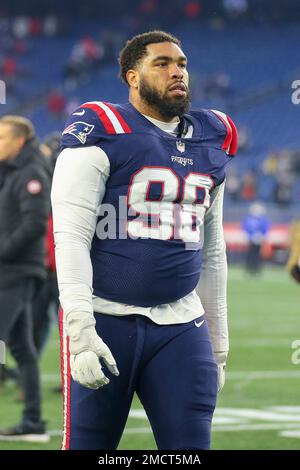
(259, 407)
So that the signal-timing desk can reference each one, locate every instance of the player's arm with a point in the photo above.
(212, 287)
(77, 190)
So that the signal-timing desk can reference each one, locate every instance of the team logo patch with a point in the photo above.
(80, 130)
(34, 187)
(180, 146)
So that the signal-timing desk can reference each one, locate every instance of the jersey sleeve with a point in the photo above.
(230, 142)
(212, 287)
(84, 127)
(74, 224)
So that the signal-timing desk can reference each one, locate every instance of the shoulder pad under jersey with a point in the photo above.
(91, 122)
(230, 143)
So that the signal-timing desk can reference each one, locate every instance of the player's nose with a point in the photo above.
(176, 71)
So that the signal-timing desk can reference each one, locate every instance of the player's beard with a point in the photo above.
(169, 107)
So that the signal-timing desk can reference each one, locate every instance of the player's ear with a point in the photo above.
(132, 78)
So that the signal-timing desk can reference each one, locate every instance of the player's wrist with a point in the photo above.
(221, 357)
(86, 340)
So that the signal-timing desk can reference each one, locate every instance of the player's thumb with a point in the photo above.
(109, 360)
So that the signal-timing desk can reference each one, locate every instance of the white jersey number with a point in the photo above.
(178, 213)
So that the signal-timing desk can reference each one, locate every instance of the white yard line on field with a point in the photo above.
(230, 375)
(291, 429)
(259, 415)
(263, 374)
(285, 419)
(262, 343)
(294, 434)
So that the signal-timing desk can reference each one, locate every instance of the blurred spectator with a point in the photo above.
(270, 164)
(248, 188)
(293, 264)
(56, 103)
(51, 148)
(192, 9)
(296, 163)
(9, 71)
(284, 189)
(20, 27)
(110, 41)
(244, 139)
(35, 27)
(92, 51)
(279, 165)
(256, 226)
(24, 209)
(50, 25)
(285, 162)
(235, 8)
(86, 55)
(9, 67)
(233, 185)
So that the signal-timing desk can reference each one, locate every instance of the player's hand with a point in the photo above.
(85, 365)
(295, 273)
(221, 358)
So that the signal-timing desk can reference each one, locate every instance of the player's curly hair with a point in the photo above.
(135, 49)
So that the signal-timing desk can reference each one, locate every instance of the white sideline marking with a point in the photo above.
(143, 430)
(294, 434)
(256, 427)
(285, 419)
(285, 409)
(263, 374)
(243, 415)
(259, 415)
(234, 375)
(262, 343)
(236, 428)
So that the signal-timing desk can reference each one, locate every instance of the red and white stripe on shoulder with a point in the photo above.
(112, 120)
(230, 143)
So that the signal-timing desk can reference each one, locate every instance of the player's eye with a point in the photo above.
(161, 64)
(182, 65)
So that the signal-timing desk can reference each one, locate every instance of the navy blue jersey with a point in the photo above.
(159, 187)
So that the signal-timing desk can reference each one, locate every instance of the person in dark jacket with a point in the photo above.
(24, 210)
(46, 304)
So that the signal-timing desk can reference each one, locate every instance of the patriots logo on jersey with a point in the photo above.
(80, 130)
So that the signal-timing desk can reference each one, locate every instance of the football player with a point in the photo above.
(137, 205)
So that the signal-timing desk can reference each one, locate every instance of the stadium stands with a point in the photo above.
(245, 71)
